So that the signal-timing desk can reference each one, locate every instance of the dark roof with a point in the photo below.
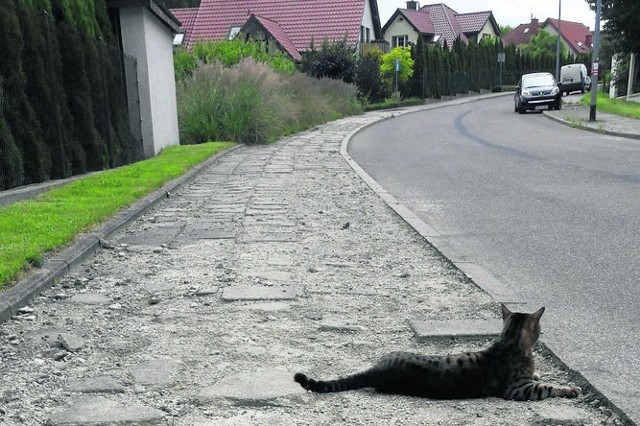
(575, 34)
(301, 21)
(522, 33)
(156, 7)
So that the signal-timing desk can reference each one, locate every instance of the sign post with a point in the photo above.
(397, 70)
(501, 60)
(595, 71)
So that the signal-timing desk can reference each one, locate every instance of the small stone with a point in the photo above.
(26, 310)
(154, 300)
(346, 225)
(115, 306)
(71, 342)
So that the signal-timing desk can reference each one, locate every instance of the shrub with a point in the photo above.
(252, 103)
(368, 78)
(229, 53)
(333, 60)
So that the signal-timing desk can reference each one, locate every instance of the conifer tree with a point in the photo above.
(19, 113)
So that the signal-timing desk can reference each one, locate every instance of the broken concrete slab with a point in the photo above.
(89, 299)
(71, 342)
(95, 410)
(247, 292)
(157, 372)
(431, 329)
(563, 415)
(253, 388)
(101, 384)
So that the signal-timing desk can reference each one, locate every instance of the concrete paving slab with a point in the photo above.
(561, 416)
(91, 410)
(428, 330)
(89, 299)
(101, 384)
(246, 292)
(253, 388)
(157, 372)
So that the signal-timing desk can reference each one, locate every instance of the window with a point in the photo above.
(233, 32)
(368, 35)
(362, 34)
(400, 41)
(526, 30)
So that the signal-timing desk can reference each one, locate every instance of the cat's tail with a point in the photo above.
(356, 381)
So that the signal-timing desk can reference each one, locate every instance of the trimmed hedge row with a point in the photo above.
(62, 95)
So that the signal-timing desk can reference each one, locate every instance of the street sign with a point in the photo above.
(397, 65)
(595, 70)
(501, 57)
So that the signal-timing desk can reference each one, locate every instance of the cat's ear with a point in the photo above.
(534, 318)
(505, 311)
(537, 314)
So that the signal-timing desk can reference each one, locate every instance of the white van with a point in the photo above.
(574, 77)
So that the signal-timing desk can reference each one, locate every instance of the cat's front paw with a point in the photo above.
(571, 391)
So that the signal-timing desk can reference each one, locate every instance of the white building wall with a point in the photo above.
(400, 27)
(150, 42)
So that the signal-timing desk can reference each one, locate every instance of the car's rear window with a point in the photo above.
(537, 81)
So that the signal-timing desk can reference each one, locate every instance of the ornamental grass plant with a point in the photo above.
(254, 104)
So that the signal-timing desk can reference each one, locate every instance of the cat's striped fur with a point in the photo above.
(505, 369)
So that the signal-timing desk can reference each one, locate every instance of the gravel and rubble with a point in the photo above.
(276, 259)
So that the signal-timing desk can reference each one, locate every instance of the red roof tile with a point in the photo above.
(445, 22)
(302, 21)
(473, 22)
(573, 33)
(186, 16)
(421, 20)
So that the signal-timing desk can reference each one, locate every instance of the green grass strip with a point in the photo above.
(614, 106)
(48, 222)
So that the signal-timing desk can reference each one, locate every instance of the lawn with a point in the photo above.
(614, 106)
(29, 229)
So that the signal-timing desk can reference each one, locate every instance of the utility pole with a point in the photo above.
(595, 67)
(558, 42)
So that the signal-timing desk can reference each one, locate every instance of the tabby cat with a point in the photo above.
(505, 369)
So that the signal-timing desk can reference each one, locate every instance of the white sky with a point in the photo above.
(506, 12)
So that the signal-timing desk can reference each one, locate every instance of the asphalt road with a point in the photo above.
(552, 211)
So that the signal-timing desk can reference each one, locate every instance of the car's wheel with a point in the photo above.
(521, 109)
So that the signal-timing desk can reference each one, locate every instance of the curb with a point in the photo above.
(590, 129)
(62, 263)
(474, 272)
(477, 274)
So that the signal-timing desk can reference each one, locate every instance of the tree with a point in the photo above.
(388, 67)
(543, 43)
(621, 22)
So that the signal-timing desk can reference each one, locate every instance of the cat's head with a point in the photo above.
(524, 328)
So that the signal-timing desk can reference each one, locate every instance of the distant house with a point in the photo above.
(287, 26)
(575, 36)
(438, 23)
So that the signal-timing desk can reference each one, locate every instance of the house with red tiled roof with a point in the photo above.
(289, 26)
(187, 18)
(575, 36)
(438, 23)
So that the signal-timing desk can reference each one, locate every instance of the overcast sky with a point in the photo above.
(506, 12)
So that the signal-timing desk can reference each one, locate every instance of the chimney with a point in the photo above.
(588, 40)
(534, 25)
(412, 5)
